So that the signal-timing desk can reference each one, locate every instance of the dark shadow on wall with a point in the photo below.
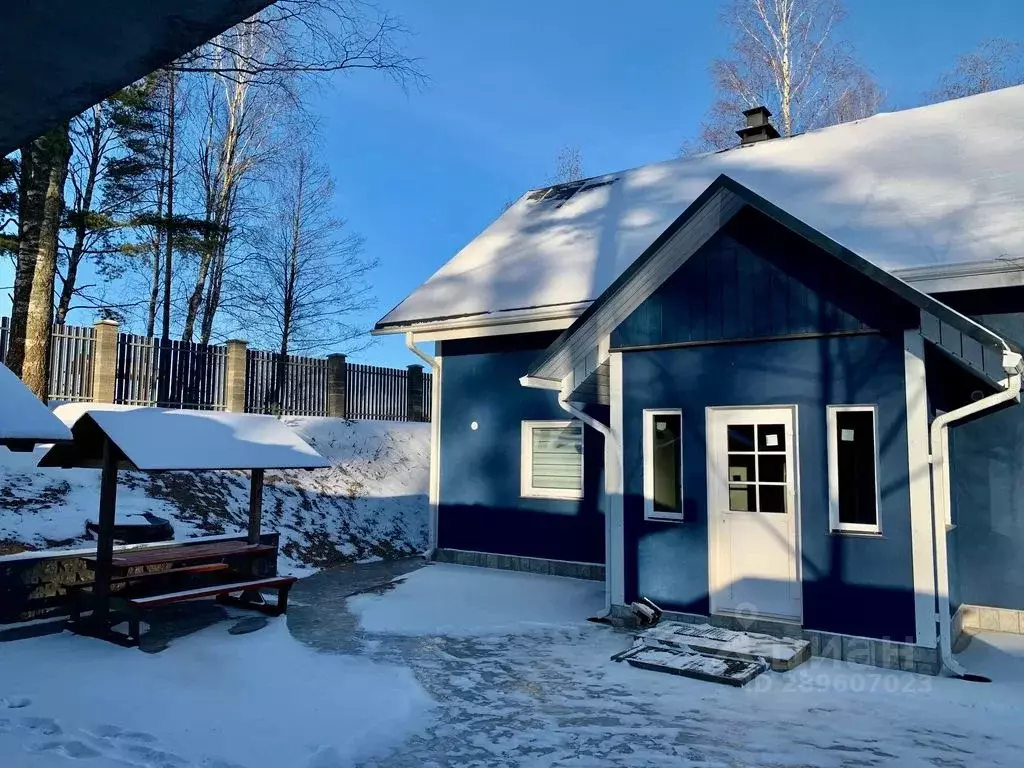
(576, 535)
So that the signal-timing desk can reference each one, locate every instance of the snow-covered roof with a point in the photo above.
(155, 439)
(23, 418)
(928, 187)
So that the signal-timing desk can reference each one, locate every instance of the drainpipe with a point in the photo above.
(607, 432)
(941, 494)
(433, 493)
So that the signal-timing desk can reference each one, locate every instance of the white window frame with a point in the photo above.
(526, 488)
(649, 512)
(833, 472)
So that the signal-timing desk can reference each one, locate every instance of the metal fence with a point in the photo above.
(194, 374)
(70, 360)
(179, 374)
(71, 363)
(373, 392)
(289, 386)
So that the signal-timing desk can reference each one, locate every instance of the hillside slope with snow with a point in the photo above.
(371, 502)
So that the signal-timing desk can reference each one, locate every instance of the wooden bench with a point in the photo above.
(133, 607)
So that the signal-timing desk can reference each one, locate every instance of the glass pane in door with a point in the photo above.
(741, 437)
(743, 498)
(772, 499)
(741, 468)
(771, 438)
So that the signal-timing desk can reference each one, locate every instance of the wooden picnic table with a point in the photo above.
(215, 550)
(185, 561)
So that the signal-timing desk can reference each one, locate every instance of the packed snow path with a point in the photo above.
(468, 667)
(522, 680)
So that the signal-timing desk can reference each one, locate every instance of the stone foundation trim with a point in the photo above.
(971, 619)
(568, 568)
(886, 654)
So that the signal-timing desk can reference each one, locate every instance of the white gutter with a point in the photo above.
(941, 495)
(609, 440)
(434, 489)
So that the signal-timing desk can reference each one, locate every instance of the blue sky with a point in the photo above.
(420, 174)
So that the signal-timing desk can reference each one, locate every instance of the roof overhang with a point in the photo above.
(577, 355)
(557, 317)
(60, 57)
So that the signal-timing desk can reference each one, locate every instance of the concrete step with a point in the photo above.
(700, 666)
(781, 653)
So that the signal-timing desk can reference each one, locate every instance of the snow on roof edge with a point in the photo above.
(946, 142)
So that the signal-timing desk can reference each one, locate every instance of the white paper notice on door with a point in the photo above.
(846, 435)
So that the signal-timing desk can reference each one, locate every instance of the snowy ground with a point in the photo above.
(467, 667)
(370, 503)
(212, 700)
(521, 681)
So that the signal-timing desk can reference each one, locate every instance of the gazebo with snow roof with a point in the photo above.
(24, 420)
(161, 440)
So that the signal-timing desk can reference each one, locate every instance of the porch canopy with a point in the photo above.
(24, 420)
(162, 440)
(62, 56)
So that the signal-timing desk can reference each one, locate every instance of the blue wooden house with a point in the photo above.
(774, 387)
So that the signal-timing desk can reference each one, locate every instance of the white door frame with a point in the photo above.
(716, 581)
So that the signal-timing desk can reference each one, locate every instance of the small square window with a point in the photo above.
(663, 465)
(853, 469)
(552, 460)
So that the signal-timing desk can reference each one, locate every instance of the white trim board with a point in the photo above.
(919, 470)
(434, 487)
(615, 546)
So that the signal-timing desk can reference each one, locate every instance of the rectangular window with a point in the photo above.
(663, 464)
(552, 460)
(853, 469)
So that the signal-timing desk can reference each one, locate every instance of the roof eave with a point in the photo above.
(496, 323)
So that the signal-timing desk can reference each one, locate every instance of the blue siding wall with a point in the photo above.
(853, 585)
(987, 545)
(756, 279)
(480, 507)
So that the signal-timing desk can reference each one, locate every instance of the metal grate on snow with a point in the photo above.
(699, 666)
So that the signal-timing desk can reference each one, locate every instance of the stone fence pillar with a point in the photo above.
(414, 393)
(104, 360)
(234, 378)
(337, 405)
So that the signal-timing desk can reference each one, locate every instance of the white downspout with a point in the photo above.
(941, 495)
(434, 488)
(610, 440)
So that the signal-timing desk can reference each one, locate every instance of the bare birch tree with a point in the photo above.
(996, 63)
(239, 128)
(258, 69)
(568, 165)
(308, 278)
(786, 55)
(309, 37)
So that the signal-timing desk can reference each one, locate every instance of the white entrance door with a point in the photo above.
(753, 536)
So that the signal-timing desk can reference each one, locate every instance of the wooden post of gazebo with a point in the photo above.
(255, 505)
(105, 531)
